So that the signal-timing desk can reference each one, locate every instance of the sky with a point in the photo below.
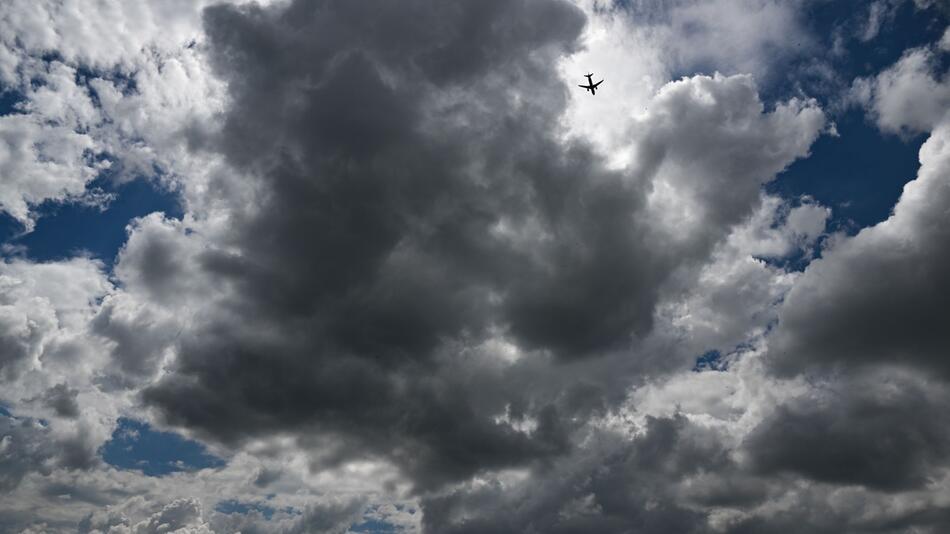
(337, 266)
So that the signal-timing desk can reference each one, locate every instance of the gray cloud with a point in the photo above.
(415, 203)
(880, 294)
(880, 430)
(610, 487)
(23, 449)
(62, 400)
(404, 277)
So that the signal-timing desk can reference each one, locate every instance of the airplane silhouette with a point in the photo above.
(591, 86)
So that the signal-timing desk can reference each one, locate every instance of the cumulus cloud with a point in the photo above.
(182, 516)
(836, 434)
(865, 321)
(421, 282)
(426, 210)
(746, 36)
(117, 104)
(908, 97)
(41, 162)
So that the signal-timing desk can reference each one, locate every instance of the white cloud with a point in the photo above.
(122, 93)
(41, 162)
(636, 46)
(713, 146)
(908, 97)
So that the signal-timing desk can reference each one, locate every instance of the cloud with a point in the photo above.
(845, 434)
(863, 324)
(418, 206)
(419, 281)
(42, 162)
(909, 97)
(43, 307)
(117, 105)
(673, 475)
(21, 450)
(880, 13)
(744, 36)
(182, 516)
(116, 37)
(62, 400)
(864, 321)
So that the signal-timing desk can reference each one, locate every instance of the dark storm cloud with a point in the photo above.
(677, 476)
(435, 425)
(881, 305)
(615, 486)
(883, 431)
(412, 199)
(381, 201)
(375, 241)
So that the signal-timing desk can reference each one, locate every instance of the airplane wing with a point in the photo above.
(598, 83)
(584, 86)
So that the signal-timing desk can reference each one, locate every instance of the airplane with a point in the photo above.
(591, 86)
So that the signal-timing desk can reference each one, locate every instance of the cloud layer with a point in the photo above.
(409, 292)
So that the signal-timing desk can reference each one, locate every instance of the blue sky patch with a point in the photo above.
(839, 27)
(710, 361)
(8, 101)
(134, 445)
(860, 174)
(67, 229)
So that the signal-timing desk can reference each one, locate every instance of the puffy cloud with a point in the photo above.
(115, 37)
(907, 97)
(44, 308)
(22, 449)
(864, 324)
(62, 400)
(845, 433)
(417, 210)
(750, 36)
(182, 516)
(417, 283)
(121, 102)
(612, 486)
(41, 162)
(865, 321)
